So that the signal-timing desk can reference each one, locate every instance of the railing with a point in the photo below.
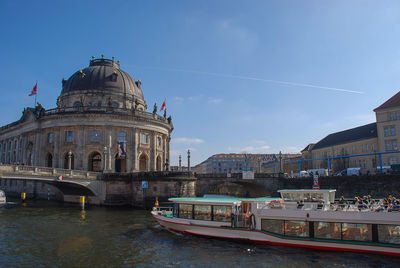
(103, 109)
(38, 170)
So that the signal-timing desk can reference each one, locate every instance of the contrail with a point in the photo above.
(251, 78)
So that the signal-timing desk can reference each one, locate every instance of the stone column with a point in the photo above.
(168, 159)
(80, 149)
(36, 148)
(129, 151)
(153, 151)
(109, 160)
(135, 150)
(56, 149)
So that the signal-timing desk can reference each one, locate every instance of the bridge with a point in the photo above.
(44, 182)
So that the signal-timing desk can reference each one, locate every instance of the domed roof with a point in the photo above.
(103, 75)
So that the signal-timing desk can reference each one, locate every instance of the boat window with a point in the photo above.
(202, 212)
(356, 232)
(328, 230)
(389, 233)
(296, 228)
(273, 226)
(185, 211)
(222, 213)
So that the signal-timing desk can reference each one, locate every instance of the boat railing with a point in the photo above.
(376, 207)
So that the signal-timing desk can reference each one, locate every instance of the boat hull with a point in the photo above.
(256, 236)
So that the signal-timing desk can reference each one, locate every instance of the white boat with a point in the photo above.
(3, 200)
(300, 218)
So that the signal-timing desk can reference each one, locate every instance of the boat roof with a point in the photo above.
(219, 200)
(308, 190)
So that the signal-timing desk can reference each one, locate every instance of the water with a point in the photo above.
(42, 234)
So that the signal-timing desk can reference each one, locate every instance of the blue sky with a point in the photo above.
(219, 64)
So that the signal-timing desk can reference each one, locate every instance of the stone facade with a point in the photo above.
(101, 109)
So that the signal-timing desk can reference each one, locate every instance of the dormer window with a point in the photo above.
(114, 76)
(77, 104)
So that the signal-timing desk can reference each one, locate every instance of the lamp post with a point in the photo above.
(188, 158)
(69, 159)
(105, 159)
(280, 162)
(180, 163)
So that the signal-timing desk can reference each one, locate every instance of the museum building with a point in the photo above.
(100, 123)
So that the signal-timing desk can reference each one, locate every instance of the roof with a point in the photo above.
(393, 101)
(354, 134)
(219, 200)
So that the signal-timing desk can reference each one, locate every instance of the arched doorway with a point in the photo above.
(143, 166)
(49, 160)
(120, 163)
(158, 163)
(95, 162)
(66, 161)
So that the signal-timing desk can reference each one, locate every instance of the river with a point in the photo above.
(47, 234)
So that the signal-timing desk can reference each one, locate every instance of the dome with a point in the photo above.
(102, 75)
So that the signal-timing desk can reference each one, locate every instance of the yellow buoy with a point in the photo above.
(23, 196)
(82, 201)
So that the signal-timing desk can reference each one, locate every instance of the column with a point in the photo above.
(135, 150)
(129, 150)
(80, 149)
(36, 147)
(56, 149)
(153, 151)
(109, 160)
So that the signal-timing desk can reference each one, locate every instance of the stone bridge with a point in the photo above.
(43, 182)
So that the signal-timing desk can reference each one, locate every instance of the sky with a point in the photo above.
(237, 76)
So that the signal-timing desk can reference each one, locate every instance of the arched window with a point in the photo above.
(143, 162)
(49, 160)
(158, 163)
(95, 162)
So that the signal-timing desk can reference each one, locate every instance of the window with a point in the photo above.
(77, 104)
(95, 135)
(389, 234)
(398, 115)
(392, 116)
(357, 232)
(185, 211)
(144, 138)
(222, 213)
(394, 145)
(392, 131)
(296, 228)
(273, 226)
(158, 142)
(114, 76)
(121, 136)
(50, 138)
(69, 136)
(328, 230)
(202, 212)
(386, 131)
(387, 145)
(392, 160)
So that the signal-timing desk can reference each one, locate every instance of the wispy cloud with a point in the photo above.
(250, 149)
(214, 100)
(237, 35)
(178, 99)
(185, 140)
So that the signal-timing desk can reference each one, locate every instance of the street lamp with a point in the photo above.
(69, 159)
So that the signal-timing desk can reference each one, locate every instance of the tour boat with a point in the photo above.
(301, 218)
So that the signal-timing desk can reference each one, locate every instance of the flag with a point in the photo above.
(162, 106)
(34, 90)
